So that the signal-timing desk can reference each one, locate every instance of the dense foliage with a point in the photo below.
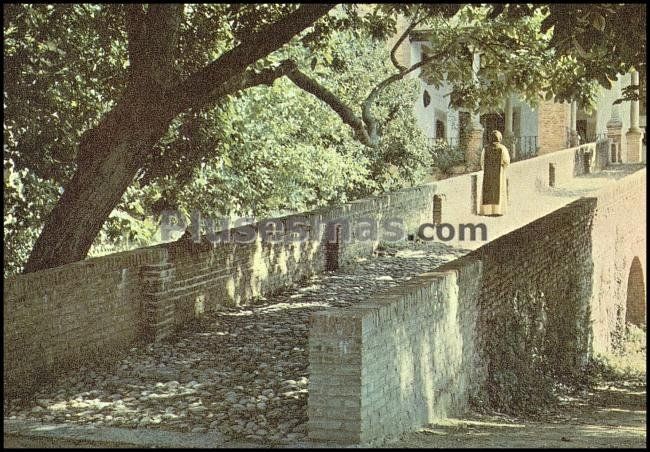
(263, 152)
(254, 108)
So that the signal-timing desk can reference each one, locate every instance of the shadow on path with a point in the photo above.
(612, 415)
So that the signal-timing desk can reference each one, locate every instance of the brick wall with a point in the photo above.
(552, 121)
(207, 276)
(618, 237)
(60, 318)
(419, 351)
(402, 360)
(554, 264)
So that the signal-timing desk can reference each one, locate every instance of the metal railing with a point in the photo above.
(524, 147)
(452, 142)
(592, 138)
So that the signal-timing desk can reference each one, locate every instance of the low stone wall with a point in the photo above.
(233, 273)
(61, 318)
(618, 236)
(526, 178)
(402, 360)
(418, 352)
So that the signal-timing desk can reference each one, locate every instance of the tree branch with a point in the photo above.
(366, 113)
(192, 91)
(401, 39)
(162, 26)
(366, 127)
(134, 19)
(345, 113)
(248, 80)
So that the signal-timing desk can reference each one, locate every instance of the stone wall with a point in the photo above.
(555, 265)
(60, 318)
(207, 276)
(419, 351)
(401, 360)
(618, 236)
(415, 354)
(526, 180)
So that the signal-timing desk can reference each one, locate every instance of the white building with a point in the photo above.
(548, 128)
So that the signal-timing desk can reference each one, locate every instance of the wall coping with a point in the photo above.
(160, 251)
(17, 285)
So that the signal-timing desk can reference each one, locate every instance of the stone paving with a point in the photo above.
(242, 372)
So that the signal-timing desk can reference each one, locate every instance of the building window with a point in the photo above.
(440, 129)
(426, 98)
(464, 118)
(516, 121)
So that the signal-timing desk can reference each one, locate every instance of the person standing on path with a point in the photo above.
(494, 161)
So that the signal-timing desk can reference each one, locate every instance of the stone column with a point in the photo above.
(475, 132)
(634, 134)
(573, 131)
(508, 135)
(158, 308)
(614, 128)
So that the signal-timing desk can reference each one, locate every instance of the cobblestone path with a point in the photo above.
(240, 371)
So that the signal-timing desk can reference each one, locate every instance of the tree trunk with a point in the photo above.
(109, 158)
(111, 154)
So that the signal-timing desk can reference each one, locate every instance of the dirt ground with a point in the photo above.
(612, 415)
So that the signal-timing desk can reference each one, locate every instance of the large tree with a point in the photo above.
(111, 153)
(183, 59)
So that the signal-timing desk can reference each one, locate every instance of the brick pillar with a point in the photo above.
(158, 308)
(614, 127)
(573, 132)
(551, 174)
(437, 209)
(551, 128)
(335, 381)
(474, 146)
(634, 134)
(634, 145)
(332, 246)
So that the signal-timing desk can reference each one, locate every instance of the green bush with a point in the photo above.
(445, 156)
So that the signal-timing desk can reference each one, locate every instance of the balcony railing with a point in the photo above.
(524, 147)
(452, 142)
(592, 138)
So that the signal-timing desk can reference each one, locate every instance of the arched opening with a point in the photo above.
(635, 312)
(440, 129)
(426, 98)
